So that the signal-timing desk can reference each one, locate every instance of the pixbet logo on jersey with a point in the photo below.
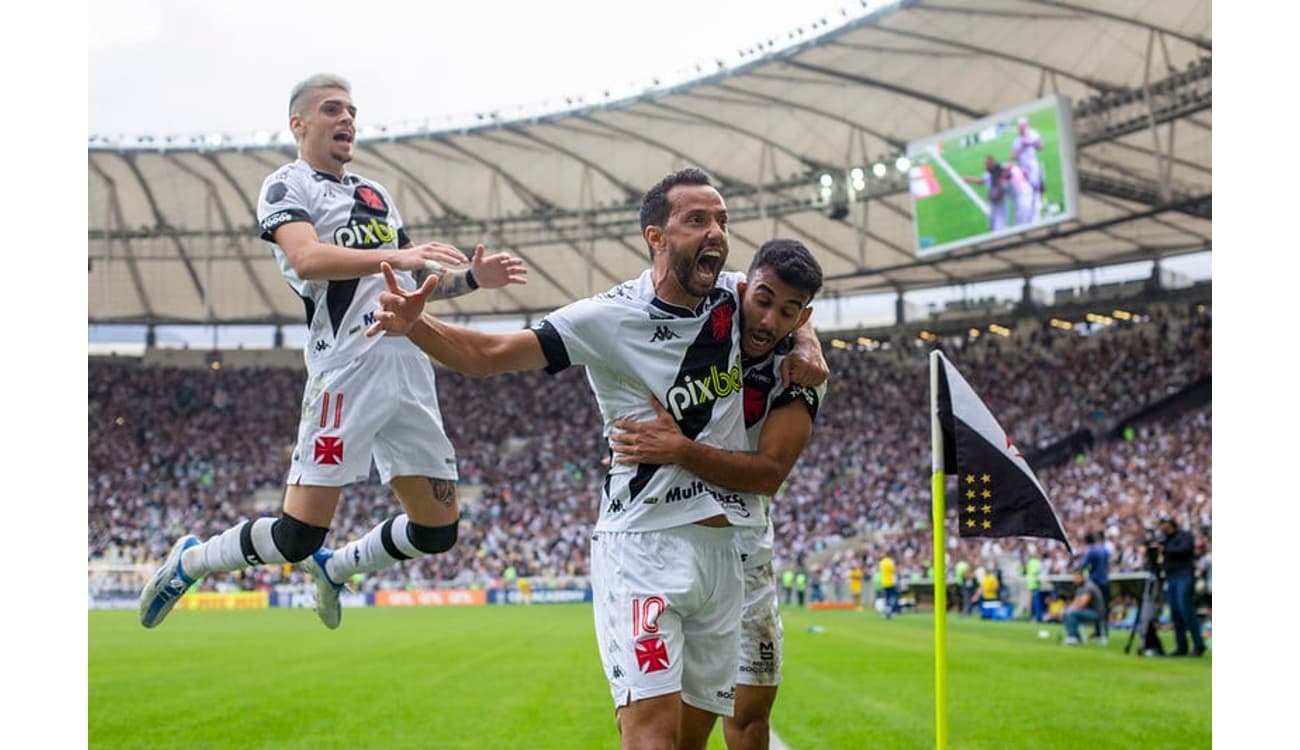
(368, 235)
(697, 391)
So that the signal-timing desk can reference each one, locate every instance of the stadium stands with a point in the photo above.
(195, 449)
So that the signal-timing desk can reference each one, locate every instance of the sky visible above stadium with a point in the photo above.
(206, 66)
(164, 68)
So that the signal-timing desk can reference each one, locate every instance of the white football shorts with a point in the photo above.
(383, 404)
(760, 629)
(667, 609)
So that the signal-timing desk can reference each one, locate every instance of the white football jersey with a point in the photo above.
(763, 394)
(634, 344)
(353, 212)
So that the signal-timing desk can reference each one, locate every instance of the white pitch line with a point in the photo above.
(774, 740)
(961, 183)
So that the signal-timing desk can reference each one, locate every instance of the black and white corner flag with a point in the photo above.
(997, 493)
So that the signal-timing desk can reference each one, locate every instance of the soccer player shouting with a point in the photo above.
(330, 230)
(782, 280)
(666, 574)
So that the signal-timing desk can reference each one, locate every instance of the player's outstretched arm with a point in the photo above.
(312, 259)
(485, 272)
(805, 364)
(465, 350)
(660, 441)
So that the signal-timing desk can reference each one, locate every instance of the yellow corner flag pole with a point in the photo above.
(940, 576)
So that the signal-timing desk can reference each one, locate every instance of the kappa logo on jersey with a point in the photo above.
(663, 333)
(372, 199)
(695, 390)
(329, 450)
(651, 655)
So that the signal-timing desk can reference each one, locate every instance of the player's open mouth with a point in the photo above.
(344, 137)
(709, 261)
(759, 340)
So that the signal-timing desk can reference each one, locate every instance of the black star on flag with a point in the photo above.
(988, 466)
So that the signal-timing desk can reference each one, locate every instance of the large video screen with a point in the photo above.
(994, 177)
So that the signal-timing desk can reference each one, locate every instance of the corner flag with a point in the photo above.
(997, 493)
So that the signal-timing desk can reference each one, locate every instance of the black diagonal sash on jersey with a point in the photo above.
(368, 206)
(759, 382)
(711, 349)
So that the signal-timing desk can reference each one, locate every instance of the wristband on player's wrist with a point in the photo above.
(469, 278)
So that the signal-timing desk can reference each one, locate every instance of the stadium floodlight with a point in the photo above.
(826, 180)
(1064, 325)
(974, 333)
(1002, 331)
(1122, 314)
(858, 176)
(903, 164)
(879, 170)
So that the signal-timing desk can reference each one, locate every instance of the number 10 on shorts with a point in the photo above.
(645, 615)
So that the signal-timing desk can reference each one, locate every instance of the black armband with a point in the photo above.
(470, 280)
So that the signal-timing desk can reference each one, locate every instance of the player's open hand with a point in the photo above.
(654, 441)
(498, 269)
(398, 308)
(431, 256)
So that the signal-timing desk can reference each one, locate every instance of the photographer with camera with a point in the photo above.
(1178, 551)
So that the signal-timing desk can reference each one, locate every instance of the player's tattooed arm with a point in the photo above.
(444, 491)
(451, 284)
(487, 271)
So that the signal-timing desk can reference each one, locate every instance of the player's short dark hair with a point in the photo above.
(654, 204)
(793, 264)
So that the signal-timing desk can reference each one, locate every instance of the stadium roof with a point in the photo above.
(172, 228)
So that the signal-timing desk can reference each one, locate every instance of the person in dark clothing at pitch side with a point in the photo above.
(1178, 548)
(1096, 564)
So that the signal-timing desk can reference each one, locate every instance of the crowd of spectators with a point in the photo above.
(175, 450)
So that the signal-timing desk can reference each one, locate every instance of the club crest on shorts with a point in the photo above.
(329, 450)
(651, 655)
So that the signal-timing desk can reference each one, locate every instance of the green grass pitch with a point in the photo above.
(528, 677)
(950, 214)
